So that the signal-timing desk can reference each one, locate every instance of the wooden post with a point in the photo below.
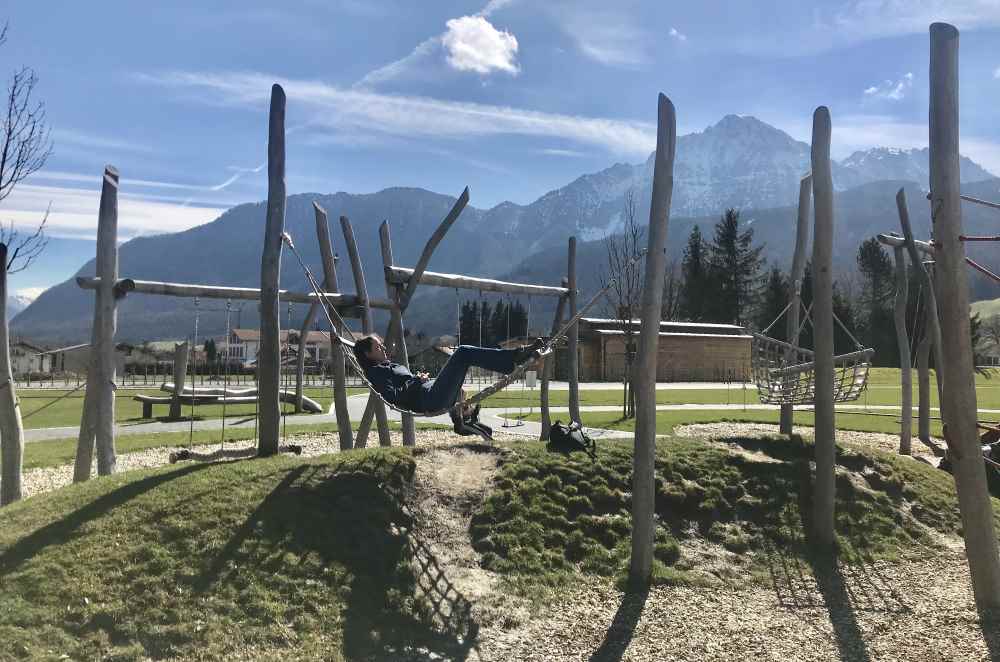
(269, 354)
(375, 404)
(797, 274)
(924, 391)
(822, 318)
(97, 424)
(572, 367)
(11, 427)
(903, 340)
(643, 487)
(396, 343)
(181, 354)
(548, 363)
(336, 349)
(933, 323)
(958, 408)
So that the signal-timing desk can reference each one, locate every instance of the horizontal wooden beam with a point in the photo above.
(187, 290)
(401, 275)
(893, 240)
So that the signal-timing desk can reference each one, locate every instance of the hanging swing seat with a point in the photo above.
(785, 373)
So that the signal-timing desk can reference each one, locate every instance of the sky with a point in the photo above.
(512, 98)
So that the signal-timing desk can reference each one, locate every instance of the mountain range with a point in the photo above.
(738, 162)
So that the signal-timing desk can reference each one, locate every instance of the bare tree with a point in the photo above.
(24, 149)
(625, 293)
(25, 135)
(672, 285)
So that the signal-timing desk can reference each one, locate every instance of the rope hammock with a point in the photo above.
(786, 373)
(496, 387)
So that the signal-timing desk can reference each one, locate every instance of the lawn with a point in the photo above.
(47, 408)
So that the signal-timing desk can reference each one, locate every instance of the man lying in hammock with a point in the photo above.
(421, 394)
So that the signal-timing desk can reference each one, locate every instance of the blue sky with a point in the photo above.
(510, 97)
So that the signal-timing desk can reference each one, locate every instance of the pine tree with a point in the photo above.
(734, 264)
(876, 323)
(694, 275)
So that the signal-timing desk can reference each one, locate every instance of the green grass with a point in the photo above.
(282, 558)
(551, 515)
(291, 558)
(46, 408)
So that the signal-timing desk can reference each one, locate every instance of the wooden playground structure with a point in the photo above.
(818, 377)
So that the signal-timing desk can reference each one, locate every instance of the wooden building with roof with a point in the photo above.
(688, 351)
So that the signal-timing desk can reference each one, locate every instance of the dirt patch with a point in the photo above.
(451, 482)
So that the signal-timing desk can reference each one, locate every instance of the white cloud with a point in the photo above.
(891, 90)
(604, 34)
(860, 19)
(61, 176)
(411, 62)
(551, 151)
(677, 34)
(473, 44)
(30, 293)
(82, 139)
(73, 211)
(351, 110)
(996, 73)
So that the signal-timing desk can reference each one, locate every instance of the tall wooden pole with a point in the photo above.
(643, 491)
(822, 318)
(572, 339)
(181, 355)
(903, 340)
(375, 405)
(548, 363)
(396, 343)
(958, 408)
(797, 274)
(11, 427)
(336, 349)
(269, 355)
(97, 424)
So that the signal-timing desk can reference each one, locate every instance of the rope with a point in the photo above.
(50, 402)
(330, 311)
(780, 315)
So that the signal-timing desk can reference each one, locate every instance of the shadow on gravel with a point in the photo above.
(622, 627)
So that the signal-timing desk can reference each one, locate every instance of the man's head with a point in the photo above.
(370, 350)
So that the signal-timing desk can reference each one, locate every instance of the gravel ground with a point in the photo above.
(881, 441)
(51, 478)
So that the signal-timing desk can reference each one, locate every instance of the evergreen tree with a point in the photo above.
(845, 311)
(734, 264)
(775, 298)
(694, 276)
(878, 285)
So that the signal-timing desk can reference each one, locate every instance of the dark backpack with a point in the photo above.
(570, 438)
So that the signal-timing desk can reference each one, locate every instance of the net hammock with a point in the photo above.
(786, 373)
(497, 386)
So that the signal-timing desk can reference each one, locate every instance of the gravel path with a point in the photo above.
(879, 440)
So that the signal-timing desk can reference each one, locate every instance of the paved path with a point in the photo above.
(494, 417)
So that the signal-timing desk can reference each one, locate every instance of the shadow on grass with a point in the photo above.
(61, 530)
(353, 523)
(622, 628)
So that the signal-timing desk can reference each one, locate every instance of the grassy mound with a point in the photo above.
(284, 557)
(552, 514)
